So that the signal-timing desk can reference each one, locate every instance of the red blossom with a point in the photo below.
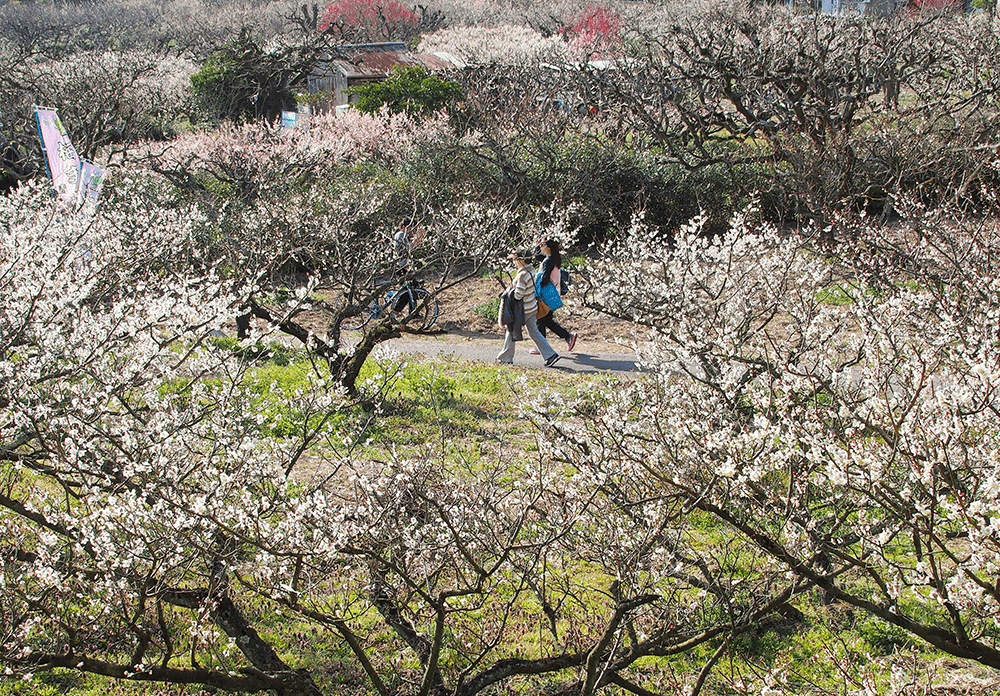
(595, 29)
(378, 17)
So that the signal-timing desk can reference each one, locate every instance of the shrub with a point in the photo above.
(241, 81)
(411, 90)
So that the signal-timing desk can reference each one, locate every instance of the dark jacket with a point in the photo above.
(511, 315)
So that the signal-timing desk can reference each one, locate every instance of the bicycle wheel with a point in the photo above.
(360, 320)
(427, 309)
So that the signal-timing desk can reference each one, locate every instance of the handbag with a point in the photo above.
(543, 309)
(548, 293)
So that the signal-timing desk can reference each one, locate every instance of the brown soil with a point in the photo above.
(464, 317)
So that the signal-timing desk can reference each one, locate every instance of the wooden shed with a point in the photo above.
(357, 64)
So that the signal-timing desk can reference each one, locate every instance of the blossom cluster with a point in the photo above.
(130, 440)
(269, 151)
(508, 44)
(596, 29)
(836, 410)
(379, 19)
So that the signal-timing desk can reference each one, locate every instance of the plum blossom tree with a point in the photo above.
(175, 26)
(935, 6)
(119, 71)
(509, 44)
(370, 20)
(154, 508)
(253, 161)
(278, 213)
(103, 346)
(595, 30)
(802, 431)
(811, 108)
(106, 98)
(835, 410)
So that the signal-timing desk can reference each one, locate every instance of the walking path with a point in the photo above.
(581, 360)
(597, 356)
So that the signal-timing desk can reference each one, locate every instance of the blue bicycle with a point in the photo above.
(409, 303)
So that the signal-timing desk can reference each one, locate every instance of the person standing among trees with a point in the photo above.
(548, 275)
(403, 244)
(522, 288)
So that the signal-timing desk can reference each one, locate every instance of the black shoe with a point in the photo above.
(552, 361)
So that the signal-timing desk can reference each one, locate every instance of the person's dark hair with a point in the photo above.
(553, 246)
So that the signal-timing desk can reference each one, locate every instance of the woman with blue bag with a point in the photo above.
(522, 291)
(547, 288)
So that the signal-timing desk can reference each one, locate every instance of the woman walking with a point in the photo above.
(523, 289)
(547, 284)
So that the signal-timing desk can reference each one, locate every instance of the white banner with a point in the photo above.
(60, 156)
(91, 179)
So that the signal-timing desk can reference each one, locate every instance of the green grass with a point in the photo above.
(835, 295)
(488, 310)
(273, 351)
(456, 403)
(461, 407)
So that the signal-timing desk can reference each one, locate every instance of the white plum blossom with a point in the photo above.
(854, 442)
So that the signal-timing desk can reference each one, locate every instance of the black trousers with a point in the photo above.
(548, 322)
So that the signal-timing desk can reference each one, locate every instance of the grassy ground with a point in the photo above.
(469, 410)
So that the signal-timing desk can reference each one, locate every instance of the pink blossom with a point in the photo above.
(596, 29)
(380, 18)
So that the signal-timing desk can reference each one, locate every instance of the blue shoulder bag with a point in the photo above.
(548, 293)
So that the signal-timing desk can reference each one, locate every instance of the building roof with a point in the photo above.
(375, 61)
